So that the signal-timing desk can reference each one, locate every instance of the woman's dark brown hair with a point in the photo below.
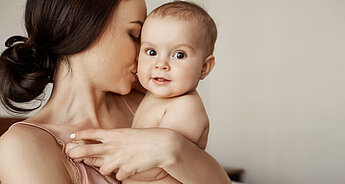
(56, 29)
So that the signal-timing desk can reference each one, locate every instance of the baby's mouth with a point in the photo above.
(160, 79)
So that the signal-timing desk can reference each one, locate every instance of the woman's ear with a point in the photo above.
(208, 66)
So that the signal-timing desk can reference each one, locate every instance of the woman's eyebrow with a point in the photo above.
(138, 22)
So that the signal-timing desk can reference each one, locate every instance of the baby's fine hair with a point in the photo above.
(189, 11)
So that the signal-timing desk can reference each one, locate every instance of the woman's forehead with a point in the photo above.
(131, 10)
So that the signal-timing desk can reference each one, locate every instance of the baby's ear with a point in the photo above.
(208, 66)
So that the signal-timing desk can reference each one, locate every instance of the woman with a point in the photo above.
(88, 50)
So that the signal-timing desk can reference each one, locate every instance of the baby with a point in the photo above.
(177, 43)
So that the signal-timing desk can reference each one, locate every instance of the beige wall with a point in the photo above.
(11, 23)
(276, 96)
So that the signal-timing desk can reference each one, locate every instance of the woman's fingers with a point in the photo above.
(78, 160)
(109, 166)
(90, 134)
(70, 146)
(81, 151)
(93, 161)
(73, 144)
(127, 151)
(123, 174)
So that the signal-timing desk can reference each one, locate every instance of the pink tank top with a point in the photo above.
(83, 174)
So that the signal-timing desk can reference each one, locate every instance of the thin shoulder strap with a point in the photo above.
(126, 103)
(42, 128)
(77, 174)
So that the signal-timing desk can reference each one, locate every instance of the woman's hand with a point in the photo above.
(129, 151)
(126, 151)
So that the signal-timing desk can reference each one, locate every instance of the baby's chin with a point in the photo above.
(167, 94)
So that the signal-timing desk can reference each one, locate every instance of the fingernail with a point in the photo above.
(72, 136)
(78, 160)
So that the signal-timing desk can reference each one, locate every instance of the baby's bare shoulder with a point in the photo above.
(190, 103)
(187, 115)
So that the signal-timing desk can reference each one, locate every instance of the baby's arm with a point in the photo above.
(187, 116)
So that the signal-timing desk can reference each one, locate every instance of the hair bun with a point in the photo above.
(9, 42)
(23, 72)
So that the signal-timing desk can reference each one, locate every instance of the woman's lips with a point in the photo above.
(135, 76)
(160, 80)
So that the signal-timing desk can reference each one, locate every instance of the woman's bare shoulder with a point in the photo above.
(25, 136)
(32, 154)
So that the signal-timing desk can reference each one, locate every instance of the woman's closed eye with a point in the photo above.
(135, 38)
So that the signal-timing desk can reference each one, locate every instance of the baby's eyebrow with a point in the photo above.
(186, 45)
(145, 43)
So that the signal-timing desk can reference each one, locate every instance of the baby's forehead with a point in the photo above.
(176, 32)
(187, 26)
(198, 25)
(195, 19)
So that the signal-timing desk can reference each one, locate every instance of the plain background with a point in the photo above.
(276, 96)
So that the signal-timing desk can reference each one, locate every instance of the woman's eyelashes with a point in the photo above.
(135, 38)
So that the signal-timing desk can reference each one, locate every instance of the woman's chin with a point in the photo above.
(125, 91)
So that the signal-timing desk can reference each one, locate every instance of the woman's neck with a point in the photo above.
(75, 100)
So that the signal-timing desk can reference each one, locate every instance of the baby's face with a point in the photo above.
(171, 56)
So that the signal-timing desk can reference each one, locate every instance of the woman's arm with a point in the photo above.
(190, 164)
(29, 155)
(135, 150)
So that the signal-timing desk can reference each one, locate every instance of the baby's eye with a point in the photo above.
(151, 52)
(179, 55)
